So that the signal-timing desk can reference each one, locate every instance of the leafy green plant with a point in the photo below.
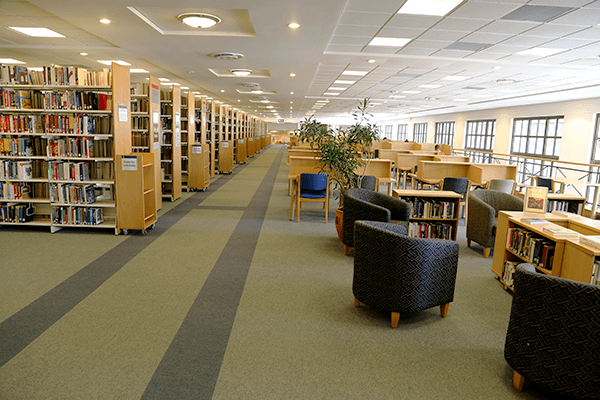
(343, 152)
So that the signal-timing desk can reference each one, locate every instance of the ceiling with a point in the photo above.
(466, 60)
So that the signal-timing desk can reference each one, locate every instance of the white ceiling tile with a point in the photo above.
(505, 49)
(429, 44)
(526, 41)
(588, 33)
(400, 32)
(435, 34)
(484, 10)
(462, 24)
(481, 37)
(554, 30)
(354, 40)
(581, 17)
(508, 27)
(364, 18)
(385, 6)
(354, 30)
(569, 43)
(344, 47)
(562, 3)
(412, 21)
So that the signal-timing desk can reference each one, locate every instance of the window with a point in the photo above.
(537, 137)
(420, 132)
(444, 133)
(388, 131)
(402, 132)
(480, 136)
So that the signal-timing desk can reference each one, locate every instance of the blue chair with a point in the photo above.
(545, 182)
(313, 188)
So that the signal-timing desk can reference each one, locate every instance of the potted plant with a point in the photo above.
(343, 152)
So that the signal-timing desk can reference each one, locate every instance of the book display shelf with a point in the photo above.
(555, 243)
(170, 144)
(135, 174)
(199, 153)
(225, 144)
(434, 213)
(58, 141)
(188, 127)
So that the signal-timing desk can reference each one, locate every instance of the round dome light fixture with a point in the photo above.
(257, 91)
(241, 72)
(199, 20)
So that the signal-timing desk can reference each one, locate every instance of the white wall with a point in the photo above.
(578, 130)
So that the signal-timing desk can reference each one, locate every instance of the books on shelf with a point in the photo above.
(532, 247)
(425, 208)
(559, 231)
(431, 230)
(509, 272)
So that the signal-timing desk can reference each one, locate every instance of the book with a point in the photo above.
(560, 232)
(590, 240)
(534, 220)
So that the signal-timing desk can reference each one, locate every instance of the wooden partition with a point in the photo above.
(477, 173)
(302, 153)
(404, 161)
(382, 169)
(452, 158)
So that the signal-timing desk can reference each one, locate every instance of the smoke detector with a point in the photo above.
(226, 56)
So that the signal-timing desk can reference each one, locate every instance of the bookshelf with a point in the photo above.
(135, 174)
(434, 213)
(188, 131)
(518, 240)
(170, 144)
(58, 140)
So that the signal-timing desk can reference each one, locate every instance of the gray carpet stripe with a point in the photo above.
(22, 328)
(226, 208)
(191, 365)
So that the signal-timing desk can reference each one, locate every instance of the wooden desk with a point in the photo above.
(382, 169)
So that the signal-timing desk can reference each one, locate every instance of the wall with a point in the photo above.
(578, 130)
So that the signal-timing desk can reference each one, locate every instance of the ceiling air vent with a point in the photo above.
(226, 56)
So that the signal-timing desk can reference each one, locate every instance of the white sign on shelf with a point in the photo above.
(122, 113)
(155, 117)
(225, 144)
(196, 149)
(129, 163)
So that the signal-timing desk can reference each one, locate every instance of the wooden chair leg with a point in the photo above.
(346, 250)
(486, 252)
(444, 310)
(395, 319)
(356, 302)
(468, 242)
(518, 381)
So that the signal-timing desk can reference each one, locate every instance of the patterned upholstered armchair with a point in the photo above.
(369, 205)
(397, 273)
(484, 205)
(552, 337)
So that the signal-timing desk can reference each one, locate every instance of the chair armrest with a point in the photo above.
(399, 209)
(480, 222)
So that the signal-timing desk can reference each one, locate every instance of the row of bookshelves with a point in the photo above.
(534, 248)
(54, 75)
(77, 124)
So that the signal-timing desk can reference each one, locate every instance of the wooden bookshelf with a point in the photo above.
(571, 259)
(58, 160)
(198, 151)
(170, 115)
(137, 204)
(434, 213)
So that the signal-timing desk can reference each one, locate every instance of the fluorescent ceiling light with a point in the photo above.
(241, 72)
(331, 94)
(104, 21)
(395, 96)
(10, 61)
(199, 20)
(163, 79)
(138, 71)
(461, 99)
(357, 73)
(430, 86)
(294, 25)
(36, 32)
(108, 62)
(185, 87)
(411, 91)
(540, 51)
(455, 78)
(429, 7)
(389, 42)
(338, 82)
(336, 88)
(322, 101)
(257, 91)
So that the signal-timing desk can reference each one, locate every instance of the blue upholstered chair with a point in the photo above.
(545, 182)
(460, 186)
(313, 188)
(484, 205)
(553, 335)
(369, 205)
(397, 273)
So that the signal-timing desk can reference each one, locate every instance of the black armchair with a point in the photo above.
(369, 205)
(402, 274)
(552, 337)
(484, 205)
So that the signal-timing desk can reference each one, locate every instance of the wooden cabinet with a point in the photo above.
(135, 177)
(518, 240)
(434, 213)
(241, 152)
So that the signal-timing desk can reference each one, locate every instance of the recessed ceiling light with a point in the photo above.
(294, 25)
(371, 61)
(331, 94)
(138, 71)
(461, 99)
(241, 72)
(163, 79)
(83, 54)
(37, 32)
(10, 61)
(496, 68)
(540, 51)
(222, 91)
(389, 42)
(506, 81)
(429, 7)
(340, 82)
(264, 101)
(105, 21)
(396, 96)
(430, 86)
(411, 91)
(239, 101)
(292, 74)
(199, 20)
(108, 62)
(336, 88)
(357, 73)
(257, 91)
(455, 78)
(185, 87)
(291, 92)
